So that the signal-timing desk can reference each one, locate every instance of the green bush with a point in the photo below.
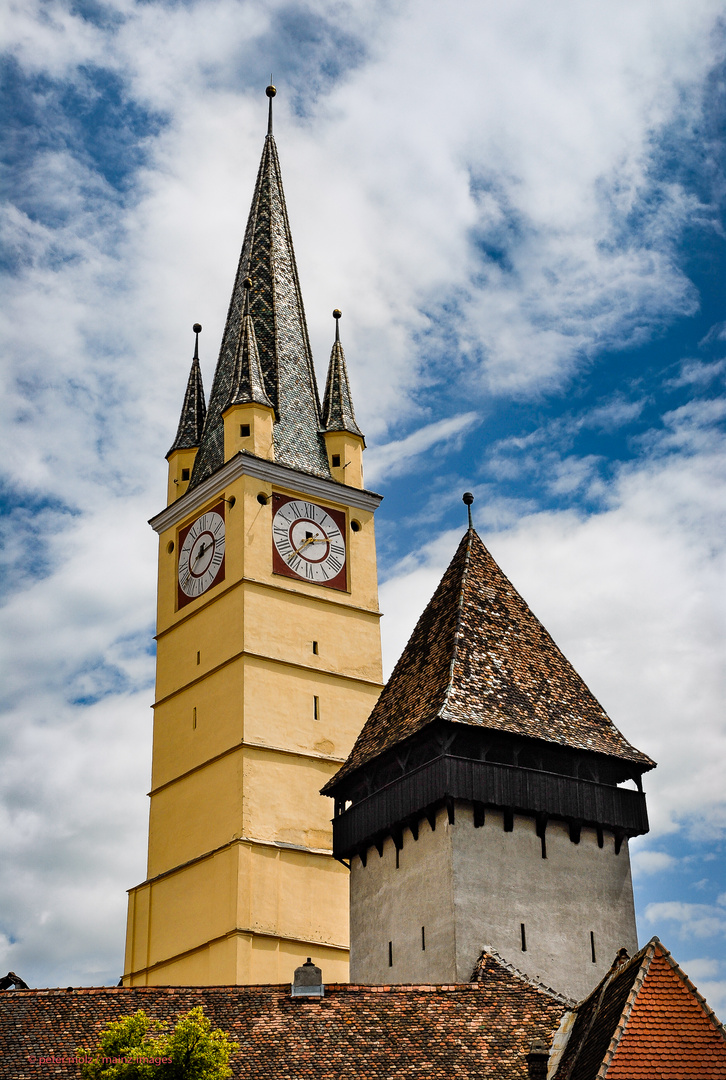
(137, 1048)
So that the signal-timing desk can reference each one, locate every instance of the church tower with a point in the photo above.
(482, 804)
(268, 643)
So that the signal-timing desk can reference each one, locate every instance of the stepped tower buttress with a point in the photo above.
(268, 650)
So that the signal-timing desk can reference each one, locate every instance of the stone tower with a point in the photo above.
(482, 802)
(268, 643)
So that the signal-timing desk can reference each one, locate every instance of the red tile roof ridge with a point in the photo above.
(655, 947)
(648, 952)
(489, 950)
(668, 957)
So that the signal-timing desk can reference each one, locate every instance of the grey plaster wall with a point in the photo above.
(501, 881)
(389, 904)
(470, 887)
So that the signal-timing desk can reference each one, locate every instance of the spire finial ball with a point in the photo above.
(247, 283)
(467, 498)
(337, 314)
(197, 328)
(271, 90)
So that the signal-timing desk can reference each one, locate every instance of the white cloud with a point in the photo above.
(651, 862)
(697, 373)
(691, 920)
(390, 459)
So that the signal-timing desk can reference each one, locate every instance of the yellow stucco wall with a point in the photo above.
(242, 886)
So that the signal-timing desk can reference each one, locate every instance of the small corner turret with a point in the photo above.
(344, 441)
(249, 415)
(184, 449)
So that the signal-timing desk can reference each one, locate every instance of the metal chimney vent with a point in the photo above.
(308, 981)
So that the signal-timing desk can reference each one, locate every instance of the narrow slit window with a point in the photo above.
(592, 947)
(336, 461)
(423, 939)
(397, 859)
(316, 708)
(524, 937)
(244, 431)
(194, 717)
(199, 657)
(390, 954)
(315, 647)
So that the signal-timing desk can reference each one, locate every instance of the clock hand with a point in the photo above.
(310, 540)
(201, 552)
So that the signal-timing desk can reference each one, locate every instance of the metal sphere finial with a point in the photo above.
(271, 90)
(467, 498)
(337, 314)
(247, 283)
(197, 328)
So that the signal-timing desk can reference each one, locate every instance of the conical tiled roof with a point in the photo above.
(479, 656)
(338, 412)
(248, 384)
(277, 311)
(194, 409)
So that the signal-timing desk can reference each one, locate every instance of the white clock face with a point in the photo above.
(308, 541)
(201, 554)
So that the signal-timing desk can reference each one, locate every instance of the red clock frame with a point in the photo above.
(279, 566)
(181, 597)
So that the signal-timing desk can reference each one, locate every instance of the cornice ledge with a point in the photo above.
(272, 472)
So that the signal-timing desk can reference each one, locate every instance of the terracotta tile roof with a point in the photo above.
(479, 656)
(644, 1021)
(281, 333)
(468, 1032)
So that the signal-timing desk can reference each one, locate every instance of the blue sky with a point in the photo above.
(520, 210)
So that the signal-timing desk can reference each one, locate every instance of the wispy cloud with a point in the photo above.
(393, 458)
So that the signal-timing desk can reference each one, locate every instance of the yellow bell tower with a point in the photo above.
(268, 639)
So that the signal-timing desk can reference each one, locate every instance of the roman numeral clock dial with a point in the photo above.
(201, 555)
(308, 542)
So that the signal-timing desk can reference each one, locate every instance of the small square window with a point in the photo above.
(185, 474)
(336, 461)
(244, 431)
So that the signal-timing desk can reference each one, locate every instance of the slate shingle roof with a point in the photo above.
(248, 384)
(194, 411)
(338, 412)
(277, 311)
(468, 1032)
(479, 656)
(644, 1021)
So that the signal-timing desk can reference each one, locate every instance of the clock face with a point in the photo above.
(308, 542)
(201, 555)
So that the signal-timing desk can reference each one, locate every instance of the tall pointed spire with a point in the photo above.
(194, 409)
(276, 309)
(338, 413)
(247, 381)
